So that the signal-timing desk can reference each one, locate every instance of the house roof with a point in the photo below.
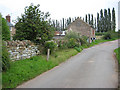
(79, 19)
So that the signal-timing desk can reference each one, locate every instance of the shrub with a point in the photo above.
(5, 58)
(110, 35)
(62, 44)
(50, 45)
(83, 41)
(71, 34)
(71, 43)
(107, 36)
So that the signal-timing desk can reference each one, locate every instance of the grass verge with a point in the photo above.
(23, 70)
(117, 51)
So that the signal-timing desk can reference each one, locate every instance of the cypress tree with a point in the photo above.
(95, 23)
(105, 21)
(101, 21)
(98, 23)
(63, 24)
(113, 20)
(86, 18)
(92, 20)
(109, 20)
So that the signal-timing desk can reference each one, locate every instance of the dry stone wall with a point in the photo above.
(21, 49)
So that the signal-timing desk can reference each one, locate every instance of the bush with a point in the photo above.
(83, 41)
(72, 35)
(71, 43)
(107, 36)
(5, 58)
(111, 35)
(100, 34)
(50, 45)
(63, 44)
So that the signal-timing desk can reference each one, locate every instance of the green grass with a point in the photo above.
(117, 51)
(27, 69)
(100, 41)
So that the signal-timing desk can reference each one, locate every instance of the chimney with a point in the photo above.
(8, 18)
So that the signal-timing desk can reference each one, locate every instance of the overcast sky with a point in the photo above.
(58, 8)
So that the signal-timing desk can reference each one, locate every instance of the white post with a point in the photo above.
(48, 53)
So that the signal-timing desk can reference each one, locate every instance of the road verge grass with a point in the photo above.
(117, 51)
(23, 70)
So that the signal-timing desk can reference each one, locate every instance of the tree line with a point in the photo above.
(61, 25)
(106, 20)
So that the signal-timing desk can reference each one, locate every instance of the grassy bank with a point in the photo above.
(117, 51)
(23, 70)
(100, 41)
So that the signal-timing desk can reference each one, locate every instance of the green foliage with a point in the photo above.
(117, 51)
(27, 69)
(100, 34)
(33, 25)
(111, 35)
(71, 34)
(107, 36)
(62, 44)
(5, 30)
(79, 49)
(106, 22)
(50, 45)
(5, 58)
(71, 43)
(83, 41)
(113, 20)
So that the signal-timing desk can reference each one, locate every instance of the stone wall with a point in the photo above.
(21, 49)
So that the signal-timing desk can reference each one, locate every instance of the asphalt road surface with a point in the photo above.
(95, 67)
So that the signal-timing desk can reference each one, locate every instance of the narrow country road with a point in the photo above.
(95, 67)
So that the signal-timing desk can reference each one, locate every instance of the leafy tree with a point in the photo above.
(5, 30)
(113, 20)
(33, 25)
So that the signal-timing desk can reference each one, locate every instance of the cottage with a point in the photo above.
(82, 28)
(11, 27)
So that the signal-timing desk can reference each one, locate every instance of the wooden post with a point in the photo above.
(48, 53)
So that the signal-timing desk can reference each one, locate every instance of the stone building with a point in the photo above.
(11, 27)
(82, 28)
